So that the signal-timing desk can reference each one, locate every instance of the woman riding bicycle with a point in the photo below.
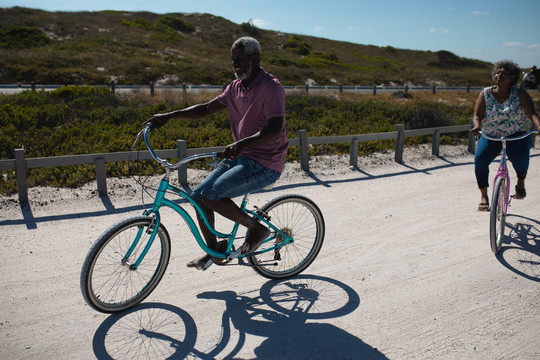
(503, 110)
(256, 105)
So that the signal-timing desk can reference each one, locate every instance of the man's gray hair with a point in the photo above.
(511, 67)
(249, 44)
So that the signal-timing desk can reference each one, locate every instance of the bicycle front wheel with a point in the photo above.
(297, 217)
(497, 220)
(110, 282)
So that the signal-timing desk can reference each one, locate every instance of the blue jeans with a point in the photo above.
(487, 150)
(234, 178)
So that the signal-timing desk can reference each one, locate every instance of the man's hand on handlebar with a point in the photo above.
(231, 151)
(158, 120)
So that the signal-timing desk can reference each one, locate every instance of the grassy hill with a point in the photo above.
(142, 47)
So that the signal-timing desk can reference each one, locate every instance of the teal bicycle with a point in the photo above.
(128, 260)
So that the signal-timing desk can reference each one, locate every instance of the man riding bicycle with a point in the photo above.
(256, 104)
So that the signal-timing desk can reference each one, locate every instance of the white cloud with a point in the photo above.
(260, 22)
(479, 12)
(439, 30)
(318, 28)
(511, 44)
(519, 44)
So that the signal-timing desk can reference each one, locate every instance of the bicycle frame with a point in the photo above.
(502, 172)
(160, 200)
(503, 168)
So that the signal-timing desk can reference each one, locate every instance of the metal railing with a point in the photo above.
(20, 163)
(185, 88)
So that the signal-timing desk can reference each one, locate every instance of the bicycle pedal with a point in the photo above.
(208, 264)
(234, 255)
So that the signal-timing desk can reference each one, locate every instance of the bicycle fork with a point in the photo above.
(502, 172)
(150, 230)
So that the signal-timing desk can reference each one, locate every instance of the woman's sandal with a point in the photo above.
(483, 207)
(520, 193)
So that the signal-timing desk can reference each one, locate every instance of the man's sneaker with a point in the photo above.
(199, 263)
(221, 247)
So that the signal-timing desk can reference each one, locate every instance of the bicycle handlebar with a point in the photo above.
(507, 138)
(166, 163)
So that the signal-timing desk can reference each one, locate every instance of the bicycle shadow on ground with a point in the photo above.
(146, 331)
(287, 313)
(520, 251)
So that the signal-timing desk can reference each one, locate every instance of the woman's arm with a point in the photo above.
(479, 111)
(528, 107)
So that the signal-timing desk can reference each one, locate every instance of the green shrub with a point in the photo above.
(21, 37)
(297, 46)
(250, 28)
(83, 120)
(176, 23)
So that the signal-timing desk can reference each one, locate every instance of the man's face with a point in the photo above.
(242, 63)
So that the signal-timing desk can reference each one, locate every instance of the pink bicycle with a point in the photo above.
(500, 199)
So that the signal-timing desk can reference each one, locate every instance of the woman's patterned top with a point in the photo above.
(503, 119)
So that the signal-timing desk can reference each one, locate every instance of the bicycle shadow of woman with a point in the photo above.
(282, 313)
(523, 258)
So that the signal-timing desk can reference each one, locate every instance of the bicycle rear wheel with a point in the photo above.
(497, 220)
(300, 218)
(110, 283)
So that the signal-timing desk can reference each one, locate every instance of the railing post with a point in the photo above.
(436, 142)
(113, 87)
(182, 153)
(340, 89)
(152, 89)
(307, 88)
(434, 89)
(374, 89)
(400, 142)
(304, 156)
(471, 146)
(20, 169)
(101, 176)
(354, 153)
(184, 90)
(406, 89)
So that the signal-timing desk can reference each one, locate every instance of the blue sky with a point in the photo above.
(478, 29)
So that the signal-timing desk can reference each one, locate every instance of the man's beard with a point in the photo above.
(246, 74)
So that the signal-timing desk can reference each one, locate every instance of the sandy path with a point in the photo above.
(406, 272)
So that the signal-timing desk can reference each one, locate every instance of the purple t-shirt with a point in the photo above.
(249, 112)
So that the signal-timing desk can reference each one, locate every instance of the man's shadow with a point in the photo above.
(287, 313)
(521, 247)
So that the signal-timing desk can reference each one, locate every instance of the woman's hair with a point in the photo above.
(509, 66)
(249, 44)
